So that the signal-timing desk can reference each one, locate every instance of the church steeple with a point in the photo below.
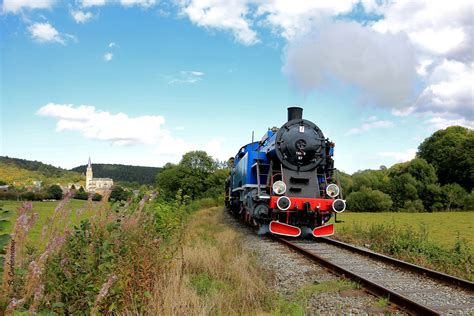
(89, 175)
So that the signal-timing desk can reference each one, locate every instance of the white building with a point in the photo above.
(96, 185)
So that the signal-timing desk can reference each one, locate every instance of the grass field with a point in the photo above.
(79, 210)
(443, 227)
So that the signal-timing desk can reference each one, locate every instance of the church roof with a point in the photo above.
(89, 163)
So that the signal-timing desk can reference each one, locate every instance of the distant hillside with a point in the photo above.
(23, 172)
(126, 173)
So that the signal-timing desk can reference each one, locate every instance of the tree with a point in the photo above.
(195, 176)
(198, 161)
(345, 181)
(454, 195)
(118, 194)
(368, 200)
(409, 181)
(451, 152)
(374, 179)
(55, 192)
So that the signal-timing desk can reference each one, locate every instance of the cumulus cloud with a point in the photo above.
(435, 27)
(81, 16)
(108, 56)
(118, 129)
(112, 44)
(187, 76)
(450, 91)
(294, 18)
(382, 66)
(287, 18)
(15, 6)
(92, 3)
(45, 33)
(142, 3)
(224, 15)
(438, 122)
(370, 123)
(402, 156)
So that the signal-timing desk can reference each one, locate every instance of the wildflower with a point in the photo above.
(104, 290)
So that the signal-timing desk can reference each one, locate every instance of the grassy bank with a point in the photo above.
(442, 228)
(211, 273)
(440, 241)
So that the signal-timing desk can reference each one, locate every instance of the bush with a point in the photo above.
(9, 195)
(414, 206)
(119, 194)
(97, 197)
(55, 192)
(368, 200)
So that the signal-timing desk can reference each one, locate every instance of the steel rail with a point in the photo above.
(439, 276)
(374, 288)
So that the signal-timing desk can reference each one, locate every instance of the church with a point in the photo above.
(97, 185)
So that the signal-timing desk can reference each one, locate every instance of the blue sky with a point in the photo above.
(141, 82)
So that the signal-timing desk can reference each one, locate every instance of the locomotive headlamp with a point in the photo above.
(283, 203)
(332, 190)
(279, 187)
(339, 206)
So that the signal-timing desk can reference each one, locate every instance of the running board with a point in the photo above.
(284, 229)
(324, 231)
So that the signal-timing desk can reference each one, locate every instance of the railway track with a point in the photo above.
(415, 289)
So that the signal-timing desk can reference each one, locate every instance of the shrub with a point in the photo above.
(368, 200)
(55, 192)
(414, 206)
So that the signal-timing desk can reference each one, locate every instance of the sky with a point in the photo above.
(141, 82)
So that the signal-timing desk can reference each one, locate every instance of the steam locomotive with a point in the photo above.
(286, 183)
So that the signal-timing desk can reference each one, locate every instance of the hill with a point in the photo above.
(21, 172)
(124, 173)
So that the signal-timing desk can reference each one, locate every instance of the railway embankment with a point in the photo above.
(301, 286)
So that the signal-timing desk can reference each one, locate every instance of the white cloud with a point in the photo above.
(292, 19)
(371, 123)
(438, 122)
(112, 44)
(450, 90)
(91, 3)
(436, 27)
(223, 15)
(81, 16)
(108, 56)
(186, 76)
(403, 156)
(118, 129)
(288, 18)
(382, 66)
(15, 6)
(45, 33)
(142, 3)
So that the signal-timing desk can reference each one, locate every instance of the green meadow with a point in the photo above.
(443, 228)
(79, 210)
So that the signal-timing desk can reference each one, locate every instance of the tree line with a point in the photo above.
(441, 177)
(123, 173)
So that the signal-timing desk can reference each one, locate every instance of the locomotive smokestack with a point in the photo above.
(295, 113)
